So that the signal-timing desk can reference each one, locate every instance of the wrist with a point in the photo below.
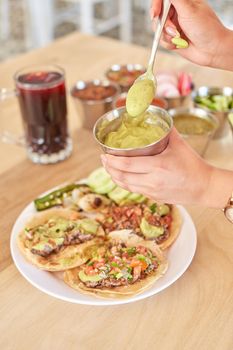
(223, 58)
(219, 188)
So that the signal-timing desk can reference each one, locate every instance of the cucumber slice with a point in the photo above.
(141, 199)
(131, 199)
(98, 178)
(105, 188)
(118, 194)
(134, 198)
(230, 118)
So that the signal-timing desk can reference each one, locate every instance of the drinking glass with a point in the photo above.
(41, 95)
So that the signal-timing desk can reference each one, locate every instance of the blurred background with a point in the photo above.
(28, 24)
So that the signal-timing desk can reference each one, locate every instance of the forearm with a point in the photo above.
(224, 57)
(219, 189)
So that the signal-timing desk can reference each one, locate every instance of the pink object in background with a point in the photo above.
(173, 85)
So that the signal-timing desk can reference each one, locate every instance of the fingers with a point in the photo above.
(155, 9)
(169, 32)
(127, 178)
(133, 188)
(140, 165)
(186, 8)
(141, 190)
(176, 143)
(170, 28)
(166, 43)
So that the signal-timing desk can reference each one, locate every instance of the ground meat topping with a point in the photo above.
(129, 217)
(119, 265)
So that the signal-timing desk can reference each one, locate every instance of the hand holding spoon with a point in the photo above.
(142, 92)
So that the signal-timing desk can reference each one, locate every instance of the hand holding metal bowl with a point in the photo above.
(113, 120)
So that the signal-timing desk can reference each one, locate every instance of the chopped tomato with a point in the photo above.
(166, 220)
(141, 249)
(89, 270)
(116, 259)
(98, 264)
(115, 270)
(135, 263)
(143, 265)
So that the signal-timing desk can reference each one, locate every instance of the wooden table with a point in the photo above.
(194, 313)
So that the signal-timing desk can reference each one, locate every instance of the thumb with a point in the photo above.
(175, 138)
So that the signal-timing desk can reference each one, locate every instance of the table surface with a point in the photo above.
(194, 313)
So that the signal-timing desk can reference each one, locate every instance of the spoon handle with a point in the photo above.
(158, 31)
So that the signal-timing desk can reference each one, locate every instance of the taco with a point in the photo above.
(159, 223)
(123, 266)
(54, 240)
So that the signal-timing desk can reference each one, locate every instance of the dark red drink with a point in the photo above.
(42, 99)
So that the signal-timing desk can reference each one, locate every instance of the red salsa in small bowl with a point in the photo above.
(157, 101)
(125, 75)
(94, 90)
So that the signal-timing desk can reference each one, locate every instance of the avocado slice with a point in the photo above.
(43, 244)
(162, 209)
(89, 225)
(118, 194)
(86, 278)
(151, 231)
(58, 229)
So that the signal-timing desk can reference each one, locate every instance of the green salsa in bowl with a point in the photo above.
(196, 126)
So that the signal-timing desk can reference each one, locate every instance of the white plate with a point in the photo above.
(179, 257)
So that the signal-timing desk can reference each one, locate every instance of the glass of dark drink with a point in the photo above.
(41, 94)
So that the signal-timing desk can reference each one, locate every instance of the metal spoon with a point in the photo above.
(160, 22)
(143, 90)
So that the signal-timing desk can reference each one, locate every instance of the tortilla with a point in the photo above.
(71, 277)
(68, 256)
(174, 229)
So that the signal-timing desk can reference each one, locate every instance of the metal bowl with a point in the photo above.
(198, 142)
(130, 68)
(90, 110)
(115, 118)
(205, 91)
(180, 101)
